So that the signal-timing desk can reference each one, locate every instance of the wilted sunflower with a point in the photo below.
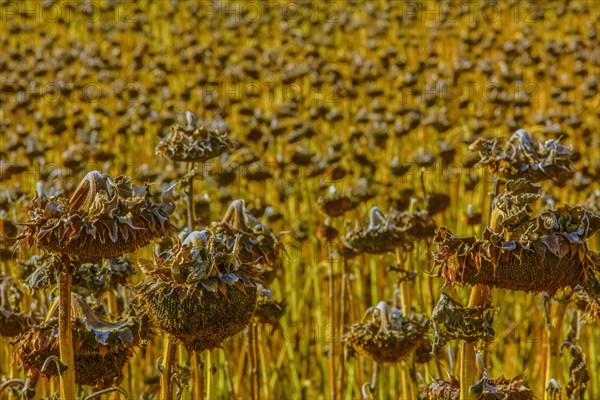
(488, 389)
(521, 252)
(194, 142)
(104, 218)
(524, 156)
(386, 335)
(101, 348)
(8, 236)
(386, 233)
(381, 236)
(12, 322)
(451, 321)
(334, 203)
(256, 243)
(268, 310)
(200, 292)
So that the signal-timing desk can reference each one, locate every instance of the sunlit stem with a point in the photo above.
(553, 330)
(169, 358)
(191, 217)
(65, 334)
(468, 367)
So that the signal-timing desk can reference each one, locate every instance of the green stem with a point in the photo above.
(169, 358)
(65, 334)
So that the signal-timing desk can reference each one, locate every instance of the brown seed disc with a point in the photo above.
(95, 365)
(525, 270)
(200, 323)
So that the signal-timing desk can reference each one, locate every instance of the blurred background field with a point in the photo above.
(372, 101)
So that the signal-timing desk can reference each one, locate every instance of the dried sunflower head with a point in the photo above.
(268, 310)
(451, 321)
(386, 335)
(549, 252)
(200, 292)
(101, 348)
(417, 225)
(592, 203)
(484, 389)
(381, 236)
(12, 322)
(335, 204)
(8, 236)
(257, 244)
(104, 218)
(524, 156)
(194, 142)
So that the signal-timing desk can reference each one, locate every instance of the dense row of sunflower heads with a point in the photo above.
(523, 156)
(194, 142)
(104, 218)
(484, 389)
(452, 321)
(205, 290)
(522, 251)
(385, 233)
(385, 335)
(12, 321)
(101, 348)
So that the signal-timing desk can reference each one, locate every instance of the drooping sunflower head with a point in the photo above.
(386, 335)
(200, 292)
(197, 141)
(104, 218)
(101, 348)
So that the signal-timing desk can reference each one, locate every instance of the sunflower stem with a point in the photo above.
(190, 200)
(198, 379)
(253, 354)
(208, 373)
(65, 334)
(553, 347)
(331, 317)
(468, 367)
(342, 372)
(169, 358)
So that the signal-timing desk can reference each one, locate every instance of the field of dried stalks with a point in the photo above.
(299, 199)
